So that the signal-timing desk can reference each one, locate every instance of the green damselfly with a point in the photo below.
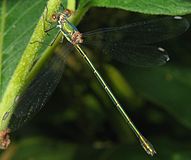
(139, 53)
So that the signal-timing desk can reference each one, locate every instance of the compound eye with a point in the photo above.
(54, 17)
(68, 12)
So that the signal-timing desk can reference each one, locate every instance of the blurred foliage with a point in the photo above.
(80, 122)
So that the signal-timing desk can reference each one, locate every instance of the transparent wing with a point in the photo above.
(141, 55)
(131, 44)
(36, 95)
(146, 32)
(132, 54)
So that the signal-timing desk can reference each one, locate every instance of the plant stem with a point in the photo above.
(71, 5)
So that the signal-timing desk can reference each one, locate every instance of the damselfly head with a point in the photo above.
(61, 17)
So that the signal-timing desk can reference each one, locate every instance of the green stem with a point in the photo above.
(71, 5)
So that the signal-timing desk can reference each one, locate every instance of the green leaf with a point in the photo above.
(160, 7)
(20, 24)
(167, 86)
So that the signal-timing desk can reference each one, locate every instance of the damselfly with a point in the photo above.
(133, 46)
